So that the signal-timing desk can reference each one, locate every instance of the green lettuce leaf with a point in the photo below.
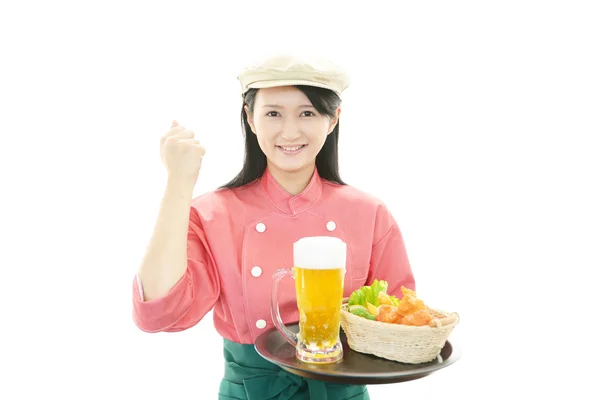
(357, 298)
(369, 294)
(376, 287)
(362, 312)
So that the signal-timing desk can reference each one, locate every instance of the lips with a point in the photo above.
(291, 149)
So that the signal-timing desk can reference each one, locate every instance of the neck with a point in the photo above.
(293, 182)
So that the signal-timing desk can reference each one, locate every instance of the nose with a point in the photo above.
(291, 130)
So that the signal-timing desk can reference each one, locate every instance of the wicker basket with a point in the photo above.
(402, 343)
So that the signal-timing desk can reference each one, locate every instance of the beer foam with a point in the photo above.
(320, 252)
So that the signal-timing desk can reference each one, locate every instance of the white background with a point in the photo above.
(476, 122)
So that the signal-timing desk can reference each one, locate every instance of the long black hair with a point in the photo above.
(325, 102)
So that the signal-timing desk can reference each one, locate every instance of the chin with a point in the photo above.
(291, 168)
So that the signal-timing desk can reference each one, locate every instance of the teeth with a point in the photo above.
(291, 148)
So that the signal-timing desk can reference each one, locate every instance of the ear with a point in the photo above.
(250, 119)
(334, 120)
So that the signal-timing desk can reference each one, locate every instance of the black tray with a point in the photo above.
(355, 368)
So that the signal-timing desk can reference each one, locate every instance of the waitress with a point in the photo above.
(218, 251)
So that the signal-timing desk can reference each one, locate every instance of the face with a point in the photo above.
(289, 129)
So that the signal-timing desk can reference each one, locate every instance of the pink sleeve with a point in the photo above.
(389, 261)
(190, 299)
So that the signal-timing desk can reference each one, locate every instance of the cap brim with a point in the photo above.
(279, 83)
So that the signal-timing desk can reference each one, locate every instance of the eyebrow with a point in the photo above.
(278, 106)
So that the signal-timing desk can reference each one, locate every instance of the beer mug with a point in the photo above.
(319, 269)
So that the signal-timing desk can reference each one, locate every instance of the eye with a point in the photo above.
(309, 112)
(272, 112)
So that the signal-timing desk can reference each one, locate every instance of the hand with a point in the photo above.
(181, 154)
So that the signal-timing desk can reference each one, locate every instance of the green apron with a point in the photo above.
(248, 376)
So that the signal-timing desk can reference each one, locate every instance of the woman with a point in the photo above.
(208, 253)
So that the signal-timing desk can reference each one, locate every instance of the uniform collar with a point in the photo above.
(288, 203)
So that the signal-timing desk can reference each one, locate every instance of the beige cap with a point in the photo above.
(286, 70)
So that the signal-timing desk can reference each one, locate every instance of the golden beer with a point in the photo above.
(319, 269)
(319, 295)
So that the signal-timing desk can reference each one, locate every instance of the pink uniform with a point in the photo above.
(238, 237)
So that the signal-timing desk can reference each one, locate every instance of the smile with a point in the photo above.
(291, 149)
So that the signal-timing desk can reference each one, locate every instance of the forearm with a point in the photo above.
(165, 261)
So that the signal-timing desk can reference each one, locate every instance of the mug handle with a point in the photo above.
(290, 336)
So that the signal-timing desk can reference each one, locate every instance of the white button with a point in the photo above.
(330, 225)
(256, 271)
(260, 227)
(261, 323)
